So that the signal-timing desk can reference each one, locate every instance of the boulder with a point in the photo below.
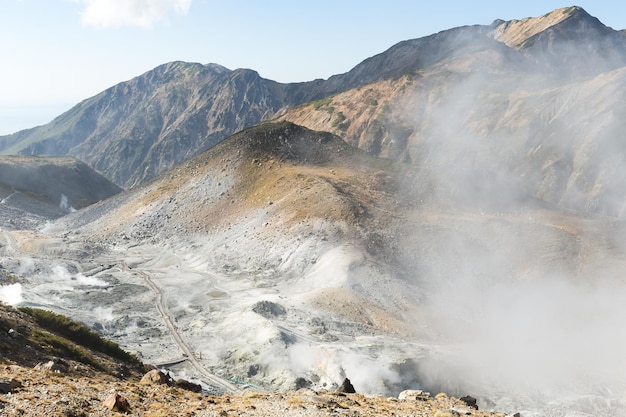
(187, 385)
(7, 386)
(346, 387)
(414, 395)
(470, 401)
(52, 366)
(269, 309)
(156, 377)
(115, 402)
(463, 411)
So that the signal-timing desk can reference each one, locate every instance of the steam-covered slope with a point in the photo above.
(33, 188)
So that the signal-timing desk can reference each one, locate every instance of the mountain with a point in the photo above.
(281, 244)
(446, 216)
(567, 41)
(544, 123)
(144, 126)
(140, 128)
(280, 177)
(37, 188)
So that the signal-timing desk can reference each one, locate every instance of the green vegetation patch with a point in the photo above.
(62, 347)
(78, 333)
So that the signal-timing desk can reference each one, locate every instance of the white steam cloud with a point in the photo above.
(61, 274)
(65, 204)
(11, 294)
(368, 375)
(137, 13)
(26, 266)
(522, 301)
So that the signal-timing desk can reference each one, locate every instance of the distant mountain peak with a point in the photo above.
(516, 33)
(217, 68)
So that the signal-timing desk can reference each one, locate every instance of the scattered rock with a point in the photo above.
(187, 385)
(414, 395)
(116, 402)
(514, 415)
(8, 386)
(156, 377)
(346, 387)
(470, 401)
(462, 410)
(51, 366)
(267, 309)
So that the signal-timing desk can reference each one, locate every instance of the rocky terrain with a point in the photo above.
(52, 366)
(448, 219)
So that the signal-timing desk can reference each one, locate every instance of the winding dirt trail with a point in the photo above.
(209, 377)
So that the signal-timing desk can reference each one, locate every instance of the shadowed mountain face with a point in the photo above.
(140, 128)
(35, 189)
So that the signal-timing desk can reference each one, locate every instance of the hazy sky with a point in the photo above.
(56, 53)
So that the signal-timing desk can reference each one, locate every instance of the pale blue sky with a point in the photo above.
(56, 53)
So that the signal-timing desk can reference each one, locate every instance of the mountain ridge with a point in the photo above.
(177, 110)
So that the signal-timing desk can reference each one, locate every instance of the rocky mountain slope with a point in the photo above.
(140, 128)
(545, 126)
(36, 189)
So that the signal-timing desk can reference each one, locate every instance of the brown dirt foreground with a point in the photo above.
(45, 393)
